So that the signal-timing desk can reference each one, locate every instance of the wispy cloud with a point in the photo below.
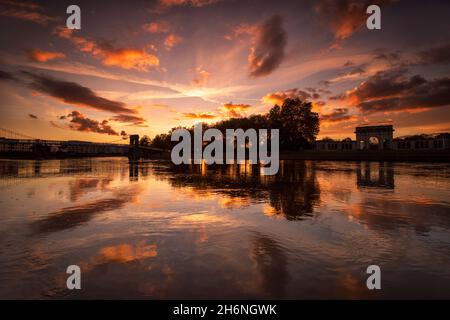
(125, 58)
(37, 55)
(201, 76)
(164, 5)
(231, 110)
(198, 115)
(157, 27)
(344, 17)
(171, 40)
(26, 11)
(268, 50)
(74, 93)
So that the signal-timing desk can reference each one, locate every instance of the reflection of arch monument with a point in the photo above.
(374, 137)
(367, 175)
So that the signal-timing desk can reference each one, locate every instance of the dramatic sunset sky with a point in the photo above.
(147, 66)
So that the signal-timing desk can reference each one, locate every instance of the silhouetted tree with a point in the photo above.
(298, 125)
(145, 141)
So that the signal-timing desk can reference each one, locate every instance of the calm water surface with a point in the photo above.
(151, 230)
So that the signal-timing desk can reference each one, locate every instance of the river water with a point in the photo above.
(153, 230)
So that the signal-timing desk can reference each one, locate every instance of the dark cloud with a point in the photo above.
(279, 96)
(384, 84)
(338, 115)
(31, 16)
(32, 116)
(345, 17)
(388, 56)
(81, 123)
(126, 118)
(162, 6)
(435, 55)
(56, 125)
(268, 52)
(325, 83)
(356, 70)
(7, 76)
(319, 91)
(351, 72)
(74, 93)
(337, 97)
(393, 90)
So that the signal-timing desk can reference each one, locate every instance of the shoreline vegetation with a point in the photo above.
(298, 128)
(355, 155)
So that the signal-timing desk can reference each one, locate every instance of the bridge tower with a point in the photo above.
(133, 151)
(134, 139)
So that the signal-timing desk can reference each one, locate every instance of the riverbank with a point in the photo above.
(353, 155)
(367, 155)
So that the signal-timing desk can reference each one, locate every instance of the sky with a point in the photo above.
(144, 67)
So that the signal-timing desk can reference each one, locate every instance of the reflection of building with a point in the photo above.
(375, 175)
(381, 138)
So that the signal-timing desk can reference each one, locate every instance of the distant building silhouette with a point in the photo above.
(381, 138)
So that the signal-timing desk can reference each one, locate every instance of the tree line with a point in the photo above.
(297, 123)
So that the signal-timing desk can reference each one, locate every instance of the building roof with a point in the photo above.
(374, 128)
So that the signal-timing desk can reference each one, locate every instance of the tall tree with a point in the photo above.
(145, 141)
(297, 123)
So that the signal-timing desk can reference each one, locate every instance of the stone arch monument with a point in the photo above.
(374, 137)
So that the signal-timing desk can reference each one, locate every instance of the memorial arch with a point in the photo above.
(374, 137)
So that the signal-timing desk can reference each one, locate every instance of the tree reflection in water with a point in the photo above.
(292, 192)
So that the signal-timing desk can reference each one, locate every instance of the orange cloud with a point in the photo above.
(199, 115)
(37, 55)
(344, 17)
(171, 40)
(26, 5)
(121, 253)
(202, 76)
(278, 97)
(129, 59)
(242, 29)
(235, 110)
(157, 27)
(125, 58)
(35, 17)
(126, 252)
